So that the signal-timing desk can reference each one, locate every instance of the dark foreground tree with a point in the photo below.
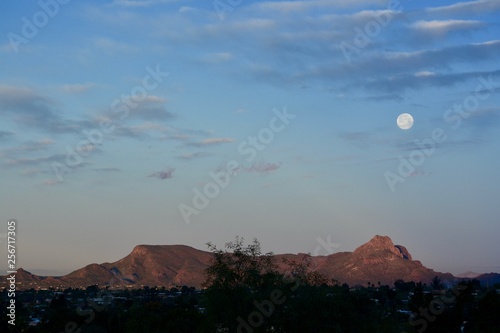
(248, 292)
(236, 278)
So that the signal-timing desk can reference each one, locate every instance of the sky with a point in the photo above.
(131, 122)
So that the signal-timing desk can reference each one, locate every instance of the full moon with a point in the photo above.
(405, 121)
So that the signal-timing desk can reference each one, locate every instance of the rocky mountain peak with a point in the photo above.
(382, 243)
(141, 250)
(176, 265)
(404, 252)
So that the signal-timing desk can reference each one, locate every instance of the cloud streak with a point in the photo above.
(27, 107)
(300, 6)
(444, 27)
(191, 156)
(77, 88)
(263, 167)
(167, 173)
(4, 135)
(141, 3)
(468, 7)
(211, 142)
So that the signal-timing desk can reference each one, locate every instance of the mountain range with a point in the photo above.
(378, 260)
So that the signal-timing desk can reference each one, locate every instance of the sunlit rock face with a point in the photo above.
(378, 260)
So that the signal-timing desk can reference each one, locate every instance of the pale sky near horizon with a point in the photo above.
(115, 115)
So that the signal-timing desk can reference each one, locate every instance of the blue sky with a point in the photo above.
(115, 115)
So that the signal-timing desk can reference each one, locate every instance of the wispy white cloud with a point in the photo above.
(290, 50)
(468, 7)
(31, 146)
(109, 169)
(30, 172)
(191, 156)
(253, 24)
(113, 47)
(51, 182)
(36, 161)
(218, 57)
(300, 6)
(141, 3)
(425, 74)
(148, 126)
(403, 82)
(388, 72)
(176, 137)
(148, 108)
(187, 9)
(211, 142)
(77, 88)
(215, 141)
(443, 27)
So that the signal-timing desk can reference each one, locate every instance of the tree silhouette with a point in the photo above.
(236, 277)
(436, 283)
